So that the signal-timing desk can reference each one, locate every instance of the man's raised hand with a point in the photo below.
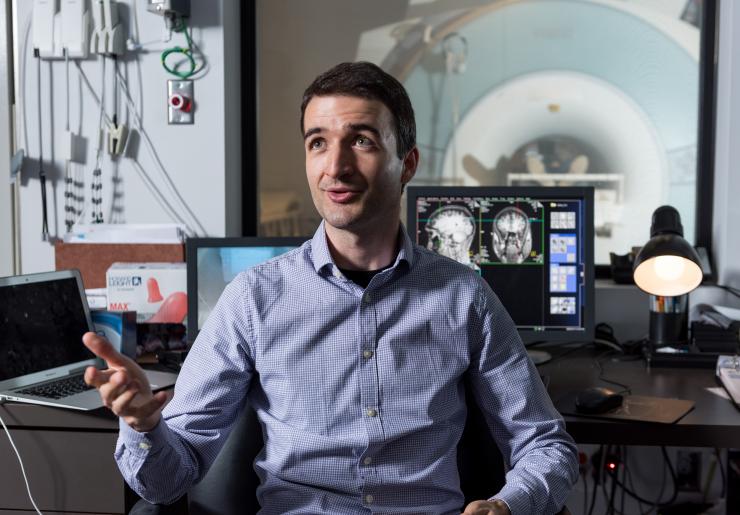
(123, 386)
(494, 507)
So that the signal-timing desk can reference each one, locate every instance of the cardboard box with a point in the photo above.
(156, 291)
(93, 259)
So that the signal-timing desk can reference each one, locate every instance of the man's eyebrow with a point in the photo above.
(353, 126)
(364, 127)
(311, 132)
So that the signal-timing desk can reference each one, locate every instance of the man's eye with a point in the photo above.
(317, 143)
(363, 141)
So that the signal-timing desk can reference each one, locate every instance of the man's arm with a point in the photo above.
(526, 426)
(162, 455)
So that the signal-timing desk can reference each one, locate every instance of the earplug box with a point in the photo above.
(156, 291)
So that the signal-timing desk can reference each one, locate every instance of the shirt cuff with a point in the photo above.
(518, 501)
(143, 444)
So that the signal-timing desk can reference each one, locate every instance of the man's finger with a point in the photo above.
(102, 348)
(97, 378)
(116, 385)
(121, 404)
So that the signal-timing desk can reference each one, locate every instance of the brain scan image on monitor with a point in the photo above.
(512, 235)
(450, 231)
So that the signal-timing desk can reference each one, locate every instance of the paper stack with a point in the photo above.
(728, 373)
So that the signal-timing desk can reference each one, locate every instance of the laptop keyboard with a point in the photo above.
(58, 389)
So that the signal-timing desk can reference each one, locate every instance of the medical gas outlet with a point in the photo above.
(180, 102)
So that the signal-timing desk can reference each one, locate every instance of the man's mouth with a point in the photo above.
(342, 196)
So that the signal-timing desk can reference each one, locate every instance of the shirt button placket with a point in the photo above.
(370, 401)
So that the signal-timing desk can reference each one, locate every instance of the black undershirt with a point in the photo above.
(361, 277)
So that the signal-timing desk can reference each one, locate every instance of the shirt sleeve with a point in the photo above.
(541, 457)
(210, 393)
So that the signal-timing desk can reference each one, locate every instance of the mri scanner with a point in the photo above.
(555, 92)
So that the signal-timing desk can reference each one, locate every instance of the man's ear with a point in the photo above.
(410, 163)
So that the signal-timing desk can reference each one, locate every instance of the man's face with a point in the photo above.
(353, 170)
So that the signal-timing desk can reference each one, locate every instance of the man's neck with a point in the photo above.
(370, 250)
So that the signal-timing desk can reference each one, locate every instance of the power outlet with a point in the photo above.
(688, 471)
(180, 102)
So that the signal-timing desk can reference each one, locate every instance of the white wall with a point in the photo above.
(6, 148)
(203, 160)
(726, 234)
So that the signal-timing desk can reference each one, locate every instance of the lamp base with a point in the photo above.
(669, 329)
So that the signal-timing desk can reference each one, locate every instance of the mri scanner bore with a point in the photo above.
(599, 93)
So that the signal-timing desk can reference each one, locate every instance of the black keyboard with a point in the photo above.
(58, 389)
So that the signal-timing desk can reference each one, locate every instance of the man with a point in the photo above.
(352, 349)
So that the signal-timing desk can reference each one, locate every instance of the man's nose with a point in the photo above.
(340, 162)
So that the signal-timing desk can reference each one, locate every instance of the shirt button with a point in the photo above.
(372, 412)
(367, 298)
(145, 446)
(367, 354)
(367, 461)
(369, 499)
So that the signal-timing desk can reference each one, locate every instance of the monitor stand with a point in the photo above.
(539, 357)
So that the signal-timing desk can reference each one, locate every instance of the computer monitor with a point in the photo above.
(533, 245)
(213, 262)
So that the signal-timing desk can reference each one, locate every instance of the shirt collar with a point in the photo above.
(322, 257)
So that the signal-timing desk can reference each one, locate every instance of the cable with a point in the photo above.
(97, 184)
(585, 493)
(187, 52)
(612, 508)
(657, 502)
(153, 153)
(20, 461)
(159, 197)
(598, 360)
(728, 289)
(721, 471)
(42, 173)
(148, 181)
(69, 214)
(673, 476)
(22, 80)
(90, 88)
(597, 479)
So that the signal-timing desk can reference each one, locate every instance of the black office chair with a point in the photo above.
(230, 485)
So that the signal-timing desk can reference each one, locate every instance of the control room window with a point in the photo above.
(545, 92)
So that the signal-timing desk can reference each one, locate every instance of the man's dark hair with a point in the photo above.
(366, 80)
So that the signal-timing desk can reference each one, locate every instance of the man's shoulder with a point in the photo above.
(276, 268)
(430, 265)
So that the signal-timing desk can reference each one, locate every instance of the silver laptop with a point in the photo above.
(42, 357)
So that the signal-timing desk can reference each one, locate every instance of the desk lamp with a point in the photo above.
(667, 268)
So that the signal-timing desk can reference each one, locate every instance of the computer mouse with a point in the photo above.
(597, 400)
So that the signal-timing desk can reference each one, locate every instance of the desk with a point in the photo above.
(714, 421)
(68, 457)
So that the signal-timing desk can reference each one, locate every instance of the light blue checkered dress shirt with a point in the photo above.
(359, 392)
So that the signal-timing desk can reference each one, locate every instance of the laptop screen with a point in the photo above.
(41, 327)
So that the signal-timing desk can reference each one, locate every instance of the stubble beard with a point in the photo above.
(366, 213)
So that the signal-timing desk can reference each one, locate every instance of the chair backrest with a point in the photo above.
(230, 486)
(478, 455)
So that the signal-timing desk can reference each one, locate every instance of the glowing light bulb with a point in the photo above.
(669, 268)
